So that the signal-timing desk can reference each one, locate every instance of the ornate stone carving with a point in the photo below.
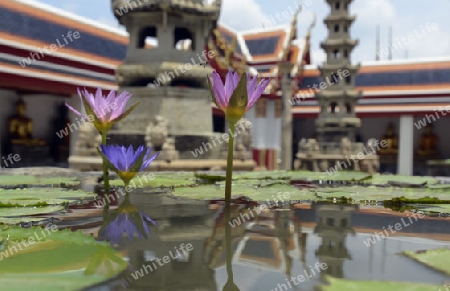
(346, 146)
(88, 140)
(370, 165)
(243, 141)
(156, 136)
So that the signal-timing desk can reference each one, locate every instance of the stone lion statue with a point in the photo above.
(157, 132)
(346, 146)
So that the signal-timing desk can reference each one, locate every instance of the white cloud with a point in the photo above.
(70, 7)
(372, 12)
(318, 56)
(241, 14)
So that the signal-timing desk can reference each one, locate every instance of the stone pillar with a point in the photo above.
(286, 116)
(406, 147)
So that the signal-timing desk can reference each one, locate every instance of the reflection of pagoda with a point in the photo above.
(188, 271)
(333, 227)
(267, 244)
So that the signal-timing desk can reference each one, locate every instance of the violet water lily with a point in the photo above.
(237, 95)
(127, 219)
(234, 98)
(103, 112)
(127, 162)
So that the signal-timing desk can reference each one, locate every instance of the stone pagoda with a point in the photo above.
(165, 70)
(337, 123)
(337, 118)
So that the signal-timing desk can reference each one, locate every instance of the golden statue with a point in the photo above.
(428, 142)
(392, 142)
(21, 128)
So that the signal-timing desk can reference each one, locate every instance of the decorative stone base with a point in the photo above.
(95, 164)
(324, 162)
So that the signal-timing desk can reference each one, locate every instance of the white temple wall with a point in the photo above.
(266, 131)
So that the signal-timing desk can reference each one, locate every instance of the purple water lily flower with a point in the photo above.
(126, 220)
(104, 111)
(127, 162)
(234, 108)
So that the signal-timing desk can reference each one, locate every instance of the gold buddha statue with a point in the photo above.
(21, 128)
(392, 142)
(428, 143)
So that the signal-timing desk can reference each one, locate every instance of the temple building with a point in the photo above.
(47, 53)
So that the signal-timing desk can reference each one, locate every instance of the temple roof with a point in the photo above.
(27, 26)
(263, 48)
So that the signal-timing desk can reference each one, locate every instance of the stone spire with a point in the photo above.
(165, 69)
(337, 97)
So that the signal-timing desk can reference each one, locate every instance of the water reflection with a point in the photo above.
(229, 285)
(196, 248)
(333, 227)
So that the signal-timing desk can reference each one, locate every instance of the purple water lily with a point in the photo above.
(127, 162)
(222, 93)
(104, 111)
(126, 220)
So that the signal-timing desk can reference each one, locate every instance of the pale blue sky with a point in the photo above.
(406, 17)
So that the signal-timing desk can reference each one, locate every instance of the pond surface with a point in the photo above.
(195, 248)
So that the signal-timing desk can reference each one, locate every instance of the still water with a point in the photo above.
(289, 248)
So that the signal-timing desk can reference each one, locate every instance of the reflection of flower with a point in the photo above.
(126, 219)
(238, 94)
(127, 162)
(106, 262)
(104, 111)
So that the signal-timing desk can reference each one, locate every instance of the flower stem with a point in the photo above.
(229, 165)
(105, 181)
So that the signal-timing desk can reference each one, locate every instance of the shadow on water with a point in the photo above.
(200, 245)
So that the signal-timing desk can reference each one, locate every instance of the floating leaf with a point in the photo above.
(436, 259)
(271, 193)
(53, 260)
(159, 180)
(349, 285)
(14, 181)
(41, 196)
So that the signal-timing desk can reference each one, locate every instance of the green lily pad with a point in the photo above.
(255, 182)
(19, 220)
(379, 179)
(360, 193)
(271, 193)
(440, 208)
(43, 282)
(27, 211)
(269, 175)
(17, 215)
(41, 196)
(349, 285)
(12, 181)
(436, 259)
(344, 176)
(67, 256)
(159, 180)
